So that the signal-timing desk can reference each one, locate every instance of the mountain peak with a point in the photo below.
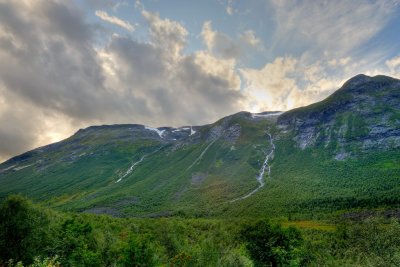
(377, 81)
(356, 80)
(364, 111)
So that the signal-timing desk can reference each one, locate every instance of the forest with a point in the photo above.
(34, 235)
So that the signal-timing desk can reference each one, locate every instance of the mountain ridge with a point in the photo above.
(136, 170)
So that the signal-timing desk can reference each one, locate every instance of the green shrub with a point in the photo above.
(76, 244)
(271, 245)
(140, 251)
(24, 230)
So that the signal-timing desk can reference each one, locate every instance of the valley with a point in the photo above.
(320, 179)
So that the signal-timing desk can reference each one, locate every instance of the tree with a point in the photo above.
(23, 230)
(76, 244)
(271, 245)
(139, 252)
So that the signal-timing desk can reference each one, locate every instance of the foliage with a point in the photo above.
(60, 239)
(271, 245)
(24, 230)
(373, 242)
(38, 262)
(139, 251)
(76, 243)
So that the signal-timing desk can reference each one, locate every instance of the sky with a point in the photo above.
(66, 65)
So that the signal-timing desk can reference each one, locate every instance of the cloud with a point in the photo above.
(393, 64)
(229, 7)
(326, 39)
(170, 87)
(268, 88)
(219, 43)
(114, 20)
(206, 86)
(339, 62)
(13, 134)
(47, 67)
(165, 33)
(333, 27)
(55, 75)
(118, 5)
(226, 47)
(287, 83)
(53, 80)
(105, 4)
(249, 37)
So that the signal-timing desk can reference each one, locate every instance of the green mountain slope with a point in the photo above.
(337, 154)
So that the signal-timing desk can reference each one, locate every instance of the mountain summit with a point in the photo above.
(362, 115)
(338, 153)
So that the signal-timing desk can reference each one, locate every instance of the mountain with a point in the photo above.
(362, 115)
(338, 154)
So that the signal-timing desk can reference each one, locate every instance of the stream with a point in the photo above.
(132, 167)
(260, 176)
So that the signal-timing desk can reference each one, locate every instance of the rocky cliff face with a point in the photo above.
(363, 115)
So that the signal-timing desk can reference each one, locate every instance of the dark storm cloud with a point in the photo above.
(50, 69)
(17, 133)
(50, 62)
(207, 90)
(141, 63)
(177, 91)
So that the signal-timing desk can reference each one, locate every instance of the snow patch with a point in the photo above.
(181, 129)
(159, 132)
(192, 132)
(272, 114)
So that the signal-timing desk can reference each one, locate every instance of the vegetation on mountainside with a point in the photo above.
(338, 154)
(309, 184)
(35, 236)
(303, 183)
(332, 160)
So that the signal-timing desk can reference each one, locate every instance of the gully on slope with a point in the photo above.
(260, 176)
(201, 155)
(132, 167)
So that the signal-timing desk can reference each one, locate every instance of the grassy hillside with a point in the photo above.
(336, 155)
(188, 176)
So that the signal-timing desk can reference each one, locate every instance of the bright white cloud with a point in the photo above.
(166, 33)
(393, 64)
(114, 20)
(287, 83)
(268, 88)
(218, 67)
